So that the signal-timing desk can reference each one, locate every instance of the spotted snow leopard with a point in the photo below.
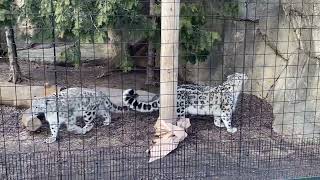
(73, 103)
(219, 101)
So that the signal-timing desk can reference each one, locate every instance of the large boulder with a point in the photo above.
(277, 44)
(296, 92)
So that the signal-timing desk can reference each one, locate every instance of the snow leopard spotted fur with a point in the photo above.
(219, 101)
(72, 103)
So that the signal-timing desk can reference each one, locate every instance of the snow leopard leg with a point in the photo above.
(54, 126)
(218, 122)
(107, 117)
(226, 119)
(181, 106)
(181, 112)
(72, 127)
(104, 111)
(88, 117)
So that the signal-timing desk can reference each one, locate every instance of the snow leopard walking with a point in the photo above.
(70, 104)
(219, 101)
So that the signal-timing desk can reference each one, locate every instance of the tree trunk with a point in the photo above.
(3, 48)
(15, 73)
(150, 80)
(169, 131)
(151, 51)
(169, 59)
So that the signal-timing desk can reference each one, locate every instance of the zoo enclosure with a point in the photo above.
(74, 45)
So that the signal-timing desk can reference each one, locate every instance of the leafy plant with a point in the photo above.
(7, 11)
(89, 21)
(72, 55)
(126, 18)
(32, 10)
(231, 9)
(195, 41)
(126, 64)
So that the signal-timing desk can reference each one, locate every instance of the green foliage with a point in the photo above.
(32, 10)
(126, 64)
(74, 20)
(72, 55)
(195, 41)
(89, 21)
(221, 8)
(231, 9)
(126, 18)
(7, 10)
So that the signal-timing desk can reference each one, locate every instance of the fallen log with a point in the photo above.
(21, 95)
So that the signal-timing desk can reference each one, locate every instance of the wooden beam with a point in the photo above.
(170, 10)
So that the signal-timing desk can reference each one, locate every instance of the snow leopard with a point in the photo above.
(71, 103)
(219, 101)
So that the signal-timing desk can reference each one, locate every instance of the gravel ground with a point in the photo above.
(117, 151)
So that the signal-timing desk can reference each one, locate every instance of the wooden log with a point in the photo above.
(21, 95)
(168, 130)
(15, 72)
(170, 10)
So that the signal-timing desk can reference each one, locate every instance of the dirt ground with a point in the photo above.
(117, 151)
(86, 76)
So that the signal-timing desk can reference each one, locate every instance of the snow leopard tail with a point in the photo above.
(113, 107)
(130, 100)
(118, 109)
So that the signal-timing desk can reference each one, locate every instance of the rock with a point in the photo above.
(296, 92)
(29, 122)
(277, 44)
(277, 54)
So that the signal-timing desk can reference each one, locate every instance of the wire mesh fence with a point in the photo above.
(83, 99)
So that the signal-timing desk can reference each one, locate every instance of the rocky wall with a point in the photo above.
(276, 42)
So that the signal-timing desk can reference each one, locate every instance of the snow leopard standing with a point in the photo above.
(219, 101)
